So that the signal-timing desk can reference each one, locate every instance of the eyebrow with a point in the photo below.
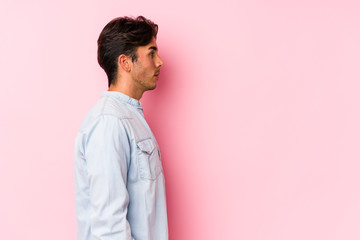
(153, 48)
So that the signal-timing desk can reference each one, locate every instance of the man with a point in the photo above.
(119, 181)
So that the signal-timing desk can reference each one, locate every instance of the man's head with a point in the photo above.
(125, 36)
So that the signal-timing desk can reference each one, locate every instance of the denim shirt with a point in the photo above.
(119, 180)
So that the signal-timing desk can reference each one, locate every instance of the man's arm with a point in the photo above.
(107, 154)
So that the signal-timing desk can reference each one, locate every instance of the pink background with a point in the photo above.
(257, 114)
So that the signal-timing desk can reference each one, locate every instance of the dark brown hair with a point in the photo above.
(123, 35)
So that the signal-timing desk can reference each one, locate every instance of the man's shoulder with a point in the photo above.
(110, 106)
(107, 106)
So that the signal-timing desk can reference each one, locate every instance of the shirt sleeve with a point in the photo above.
(107, 154)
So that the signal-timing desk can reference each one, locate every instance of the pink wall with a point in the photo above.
(256, 112)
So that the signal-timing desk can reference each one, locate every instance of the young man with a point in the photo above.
(119, 181)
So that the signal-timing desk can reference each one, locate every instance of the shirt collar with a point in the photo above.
(123, 98)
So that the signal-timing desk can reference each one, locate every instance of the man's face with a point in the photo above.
(147, 67)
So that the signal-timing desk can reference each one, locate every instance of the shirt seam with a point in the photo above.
(110, 114)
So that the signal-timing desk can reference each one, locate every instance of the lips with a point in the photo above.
(157, 73)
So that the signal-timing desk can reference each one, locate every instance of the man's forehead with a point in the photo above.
(152, 45)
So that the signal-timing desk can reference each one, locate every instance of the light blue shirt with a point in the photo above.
(119, 180)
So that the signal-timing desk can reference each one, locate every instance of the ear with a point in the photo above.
(125, 62)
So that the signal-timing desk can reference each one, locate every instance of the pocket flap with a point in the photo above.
(146, 146)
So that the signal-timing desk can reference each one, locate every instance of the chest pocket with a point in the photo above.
(148, 159)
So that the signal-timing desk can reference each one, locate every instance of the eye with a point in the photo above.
(152, 54)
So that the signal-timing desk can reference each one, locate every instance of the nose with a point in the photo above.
(160, 62)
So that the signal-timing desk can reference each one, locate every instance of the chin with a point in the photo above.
(152, 87)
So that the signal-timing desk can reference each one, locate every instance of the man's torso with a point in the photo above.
(145, 180)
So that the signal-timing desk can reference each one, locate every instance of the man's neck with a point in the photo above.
(127, 90)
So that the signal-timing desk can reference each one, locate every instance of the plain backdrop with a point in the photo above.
(256, 112)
